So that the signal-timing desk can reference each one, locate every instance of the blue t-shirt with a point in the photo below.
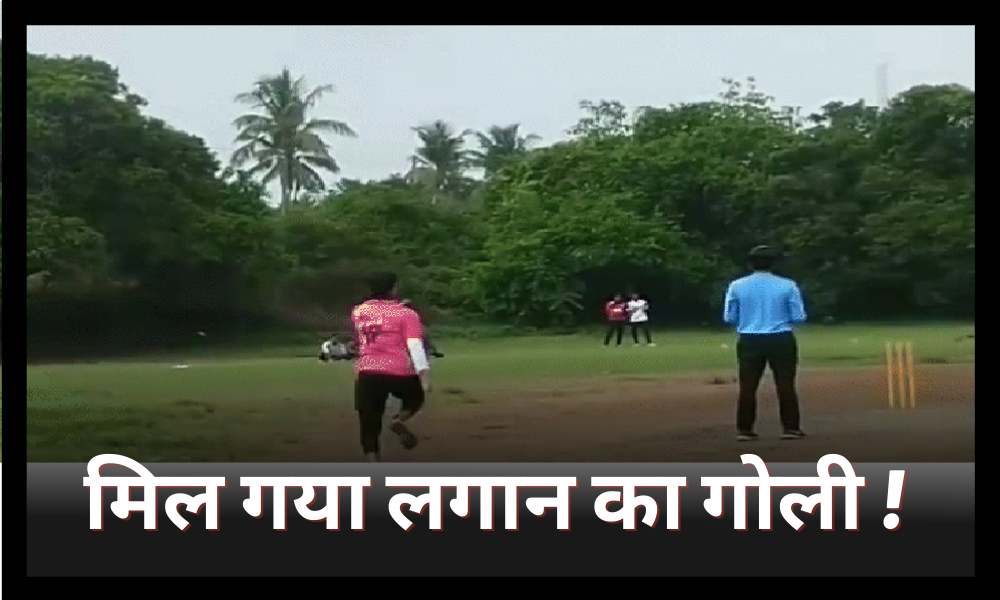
(763, 303)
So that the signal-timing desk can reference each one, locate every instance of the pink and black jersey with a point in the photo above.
(382, 330)
(615, 311)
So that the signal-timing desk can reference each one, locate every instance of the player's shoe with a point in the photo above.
(651, 344)
(793, 435)
(406, 436)
(746, 437)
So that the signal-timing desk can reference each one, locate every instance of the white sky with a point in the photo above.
(391, 78)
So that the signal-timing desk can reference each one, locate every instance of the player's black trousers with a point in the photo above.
(615, 326)
(644, 326)
(371, 391)
(754, 352)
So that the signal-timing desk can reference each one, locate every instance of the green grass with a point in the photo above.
(215, 409)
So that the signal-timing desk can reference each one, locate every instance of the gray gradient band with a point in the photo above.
(936, 535)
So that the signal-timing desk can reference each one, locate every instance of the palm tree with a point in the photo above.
(499, 146)
(281, 143)
(441, 153)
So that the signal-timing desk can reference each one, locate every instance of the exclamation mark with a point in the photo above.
(897, 482)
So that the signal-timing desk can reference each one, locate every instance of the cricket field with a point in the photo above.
(538, 399)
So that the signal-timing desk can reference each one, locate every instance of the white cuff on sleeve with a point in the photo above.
(418, 355)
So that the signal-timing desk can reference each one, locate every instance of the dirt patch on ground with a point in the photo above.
(672, 420)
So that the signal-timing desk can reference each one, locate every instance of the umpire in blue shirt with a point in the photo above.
(763, 306)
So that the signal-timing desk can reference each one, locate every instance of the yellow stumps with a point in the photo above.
(899, 372)
(888, 371)
(909, 366)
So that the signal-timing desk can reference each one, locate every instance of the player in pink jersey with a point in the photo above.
(388, 338)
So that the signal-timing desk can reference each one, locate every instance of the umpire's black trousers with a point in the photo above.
(754, 352)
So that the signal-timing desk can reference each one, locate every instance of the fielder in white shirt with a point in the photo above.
(638, 317)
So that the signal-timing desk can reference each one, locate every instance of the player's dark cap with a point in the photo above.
(763, 252)
(762, 257)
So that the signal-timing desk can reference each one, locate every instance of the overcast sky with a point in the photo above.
(389, 79)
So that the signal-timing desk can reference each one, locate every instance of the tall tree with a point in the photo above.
(606, 119)
(498, 146)
(114, 196)
(281, 144)
(443, 152)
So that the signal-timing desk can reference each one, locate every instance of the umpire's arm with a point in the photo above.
(796, 308)
(731, 309)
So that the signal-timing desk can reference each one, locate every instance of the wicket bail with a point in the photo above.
(903, 360)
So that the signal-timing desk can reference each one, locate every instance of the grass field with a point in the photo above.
(235, 407)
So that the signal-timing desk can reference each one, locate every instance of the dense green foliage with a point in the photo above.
(145, 236)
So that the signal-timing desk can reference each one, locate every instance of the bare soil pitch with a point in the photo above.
(670, 420)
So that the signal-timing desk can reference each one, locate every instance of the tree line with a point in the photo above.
(136, 232)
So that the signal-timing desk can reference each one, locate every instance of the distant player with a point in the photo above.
(638, 316)
(336, 349)
(614, 312)
(389, 341)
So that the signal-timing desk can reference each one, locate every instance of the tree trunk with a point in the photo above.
(438, 183)
(285, 192)
(286, 198)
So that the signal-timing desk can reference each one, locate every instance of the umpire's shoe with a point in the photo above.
(747, 436)
(793, 435)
